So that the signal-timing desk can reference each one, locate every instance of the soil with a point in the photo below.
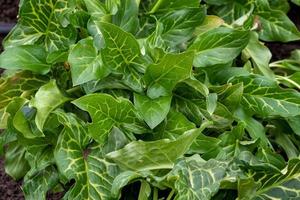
(10, 189)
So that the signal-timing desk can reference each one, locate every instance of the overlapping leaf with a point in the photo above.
(40, 24)
(76, 160)
(106, 112)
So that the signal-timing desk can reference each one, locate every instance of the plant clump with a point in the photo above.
(152, 99)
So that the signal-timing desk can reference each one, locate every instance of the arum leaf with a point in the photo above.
(96, 8)
(160, 154)
(93, 175)
(179, 25)
(37, 186)
(175, 125)
(263, 97)
(276, 26)
(121, 50)
(153, 111)
(127, 16)
(212, 102)
(161, 78)
(211, 45)
(20, 84)
(86, 63)
(47, 98)
(122, 55)
(163, 5)
(29, 57)
(16, 165)
(196, 178)
(278, 185)
(107, 112)
(260, 55)
(35, 27)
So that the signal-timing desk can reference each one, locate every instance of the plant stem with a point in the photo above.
(289, 80)
(155, 194)
(73, 89)
(156, 6)
(171, 195)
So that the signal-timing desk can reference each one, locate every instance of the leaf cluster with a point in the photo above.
(151, 99)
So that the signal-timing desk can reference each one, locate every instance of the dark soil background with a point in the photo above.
(10, 189)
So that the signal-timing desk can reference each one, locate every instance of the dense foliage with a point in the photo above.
(152, 99)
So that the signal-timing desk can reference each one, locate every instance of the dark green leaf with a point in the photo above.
(107, 112)
(211, 46)
(29, 57)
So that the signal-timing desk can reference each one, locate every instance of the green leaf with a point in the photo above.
(122, 55)
(255, 128)
(21, 84)
(282, 5)
(263, 97)
(294, 124)
(22, 122)
(192, 103)
(278, 185)
(166, 5)
(106, 112)
(276, 26)
(161, 78)
(260, 55)
(121, 48)
(41, 25)
(174, 125)
(160, 154)
(37, 186)
(211, 46)
(15, 164)
(297, 2)
(153, 111)
(230, 10)
(96, 9)
(47, 98)
(178, 26)
(211, 102)
(86, 64)
(145, 191)
(127, 16)
(27, 57)
(196, 178)
(93, 175)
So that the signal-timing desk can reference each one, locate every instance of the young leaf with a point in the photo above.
(262, 97)
(160, 154)
(106, 112)
(165, 5)
(161, 78)
(47, 98)
(211, 46)
(121, 48)
(276, 25)
(86, 64)
(179, 25)
(30, 57)
(175, 125)
(153, 111)
(260, 55)
(127, 16)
